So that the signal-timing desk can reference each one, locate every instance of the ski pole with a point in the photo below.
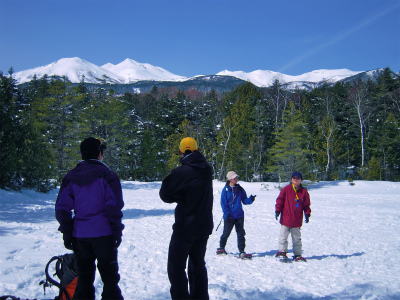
(219, 223)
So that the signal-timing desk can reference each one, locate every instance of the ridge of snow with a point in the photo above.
(73, 68)
(263, 78)
(129, 71)
(133, 71)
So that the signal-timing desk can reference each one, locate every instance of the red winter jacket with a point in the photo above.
(291, 209)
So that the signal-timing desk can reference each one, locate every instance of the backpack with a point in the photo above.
(66, 271)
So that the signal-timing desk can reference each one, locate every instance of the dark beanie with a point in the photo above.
(297, 174)
(91, 147)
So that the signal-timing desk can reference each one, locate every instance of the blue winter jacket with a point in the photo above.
(232, 199)
(93, 192)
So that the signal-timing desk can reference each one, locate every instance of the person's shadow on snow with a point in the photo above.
(319, 257)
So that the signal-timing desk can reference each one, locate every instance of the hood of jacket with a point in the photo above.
(195, 160)
(87, 171)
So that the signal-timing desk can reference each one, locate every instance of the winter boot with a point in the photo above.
(281, 255)
(299, 258)
(221, 251)
(244, 255)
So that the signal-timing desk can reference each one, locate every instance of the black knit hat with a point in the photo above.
(297, 174)
(91, 147)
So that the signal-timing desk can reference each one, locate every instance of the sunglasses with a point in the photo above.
(296, 178)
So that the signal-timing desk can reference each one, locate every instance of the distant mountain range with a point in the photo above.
(141, 77)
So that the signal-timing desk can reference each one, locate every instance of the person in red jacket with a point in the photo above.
(292, 201)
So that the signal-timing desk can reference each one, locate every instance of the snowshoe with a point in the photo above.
(221, 251)
(244, 255)
(281, 255)
(299, 258)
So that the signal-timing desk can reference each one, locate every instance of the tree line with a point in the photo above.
(346, 131)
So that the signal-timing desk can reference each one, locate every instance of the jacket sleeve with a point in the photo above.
(64, 207)
(244, 199)
(114, 203)
(224, 202)
(171, 188)
(307, 203)
(280, 201)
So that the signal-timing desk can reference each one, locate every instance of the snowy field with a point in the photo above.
(352, 245)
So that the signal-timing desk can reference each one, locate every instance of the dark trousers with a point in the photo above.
(179, 250)
(239, 226)
(87, 250)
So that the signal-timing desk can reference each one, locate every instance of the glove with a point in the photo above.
(229, 216)
(253, 197)
(307, 218)
(277, 213)
(118, 241)
(67, 237)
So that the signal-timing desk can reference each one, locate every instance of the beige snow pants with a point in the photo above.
(296, 239)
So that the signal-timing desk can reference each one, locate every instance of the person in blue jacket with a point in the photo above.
(232, 197)
(93, 192)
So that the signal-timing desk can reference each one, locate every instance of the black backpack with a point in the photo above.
(66, 271)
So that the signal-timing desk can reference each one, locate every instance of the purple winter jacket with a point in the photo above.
(93, 192)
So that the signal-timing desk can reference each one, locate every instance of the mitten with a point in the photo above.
(253, 197)
(307, 218)
(277, 213)
(118, 242)
(67, 237)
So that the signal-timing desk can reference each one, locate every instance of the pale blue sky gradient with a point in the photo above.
(201, 37)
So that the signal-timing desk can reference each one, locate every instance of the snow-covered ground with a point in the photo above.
(352, 245)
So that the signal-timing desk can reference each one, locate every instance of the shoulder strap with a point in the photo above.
(295, 190)
(48, 277)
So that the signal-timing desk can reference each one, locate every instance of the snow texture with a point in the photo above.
(351, 244)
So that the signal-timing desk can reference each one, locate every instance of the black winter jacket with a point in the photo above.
(190, 186)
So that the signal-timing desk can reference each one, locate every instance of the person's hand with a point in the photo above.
(277, 213)
(307, 218)
(253, 197)
(229, 216)
(67, 237)
(118, 241)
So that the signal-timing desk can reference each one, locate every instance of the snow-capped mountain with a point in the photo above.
(266, 78)
(76, 69)
(133, 71)
(73, 68)
(130, 71)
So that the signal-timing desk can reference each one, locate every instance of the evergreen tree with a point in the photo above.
(239, 133)
(24, 159)
(55, 121)
(374, 170)
(292, 146)
(387, 82)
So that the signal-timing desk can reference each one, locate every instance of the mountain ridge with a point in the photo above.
(130, 72)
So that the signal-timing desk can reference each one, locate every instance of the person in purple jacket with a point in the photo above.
(93, 192)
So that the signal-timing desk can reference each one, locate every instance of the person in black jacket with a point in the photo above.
(190, 186)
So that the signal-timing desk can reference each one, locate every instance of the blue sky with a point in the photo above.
(201, 37)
